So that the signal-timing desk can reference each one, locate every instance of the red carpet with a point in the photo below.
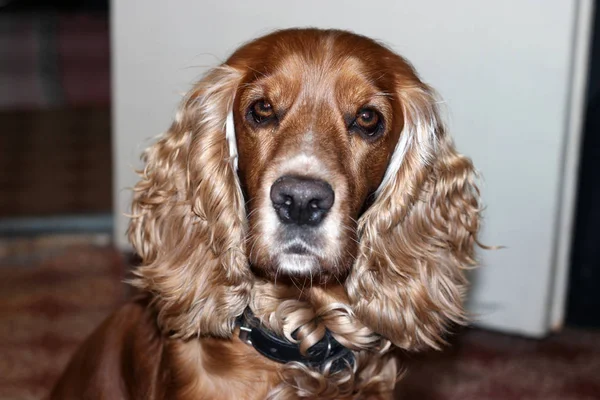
(55, 291)
(492, 366)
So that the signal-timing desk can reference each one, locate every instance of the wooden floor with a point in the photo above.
(55, 162)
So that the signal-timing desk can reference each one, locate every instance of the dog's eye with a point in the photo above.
(261, 111)
(369, 122)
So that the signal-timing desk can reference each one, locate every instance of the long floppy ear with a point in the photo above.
(189, 222)
(419, 234)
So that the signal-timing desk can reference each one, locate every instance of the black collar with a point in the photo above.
(280, 349)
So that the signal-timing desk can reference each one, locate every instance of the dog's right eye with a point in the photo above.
(261, 111)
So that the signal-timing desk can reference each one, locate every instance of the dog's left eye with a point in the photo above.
(261, 111)
(369, 122)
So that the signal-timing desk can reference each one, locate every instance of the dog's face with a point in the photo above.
(317, 121)
(345, 172)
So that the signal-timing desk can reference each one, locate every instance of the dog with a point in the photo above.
(304, 222)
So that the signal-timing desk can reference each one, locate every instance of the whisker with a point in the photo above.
(277, 273)
(294, 283)
(253, 246)
(338, 280)
(352, 256)
(252, 213)
(353, 219)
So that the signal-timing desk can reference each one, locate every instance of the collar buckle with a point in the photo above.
(244, 335)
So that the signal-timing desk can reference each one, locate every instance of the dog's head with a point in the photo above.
(308, 154)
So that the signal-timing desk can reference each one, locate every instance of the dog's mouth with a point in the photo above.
(298, 249)
(300, 241)
(298, 256)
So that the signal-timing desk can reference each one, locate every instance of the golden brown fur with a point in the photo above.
(388, 269)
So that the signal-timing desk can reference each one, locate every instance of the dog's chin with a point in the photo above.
(294, 268)
(297, 264)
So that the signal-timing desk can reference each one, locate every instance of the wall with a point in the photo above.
(503, 68)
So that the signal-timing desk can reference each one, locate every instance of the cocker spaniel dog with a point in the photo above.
(305, 215)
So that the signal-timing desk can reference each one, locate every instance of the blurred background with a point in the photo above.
(86, 85)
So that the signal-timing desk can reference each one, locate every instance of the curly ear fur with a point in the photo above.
(189, 223)
(418, 236)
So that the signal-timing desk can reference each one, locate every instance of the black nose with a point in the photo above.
(301, 201)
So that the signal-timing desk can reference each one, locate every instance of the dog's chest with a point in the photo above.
(222, 369)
